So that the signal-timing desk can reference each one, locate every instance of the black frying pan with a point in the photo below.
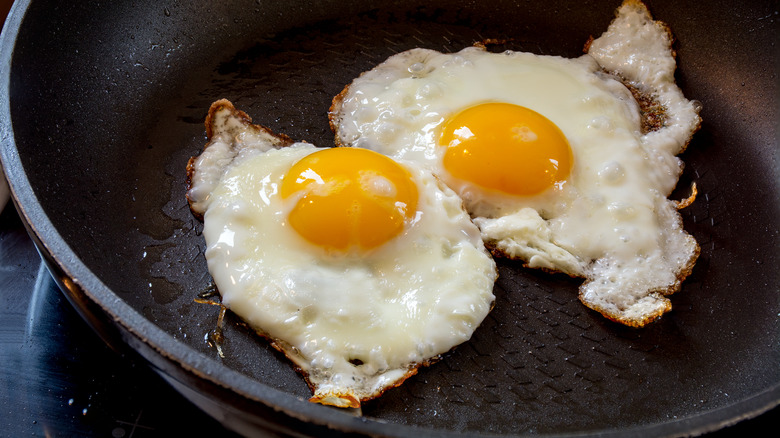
(103, 103)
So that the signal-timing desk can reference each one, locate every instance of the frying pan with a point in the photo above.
(103, 103)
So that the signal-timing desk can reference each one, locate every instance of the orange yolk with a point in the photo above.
(505, 147)
(349, 198)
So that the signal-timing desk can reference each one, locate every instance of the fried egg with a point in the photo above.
(357, 267)
(549, 154)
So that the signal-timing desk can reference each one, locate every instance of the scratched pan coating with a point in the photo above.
(104, 104)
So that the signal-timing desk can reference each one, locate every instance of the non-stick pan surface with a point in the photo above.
(103, 103)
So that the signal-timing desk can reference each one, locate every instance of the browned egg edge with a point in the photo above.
(211, 128)
(338, 399)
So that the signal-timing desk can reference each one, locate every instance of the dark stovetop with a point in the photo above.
(58, 378)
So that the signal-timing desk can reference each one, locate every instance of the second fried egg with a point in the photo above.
(548, 155)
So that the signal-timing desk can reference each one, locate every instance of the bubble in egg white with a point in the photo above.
(621, 210)
(612, 172)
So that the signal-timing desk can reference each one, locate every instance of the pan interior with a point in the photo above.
(108, 105)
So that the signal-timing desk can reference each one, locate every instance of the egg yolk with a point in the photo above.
(349, 198)
(505, 147)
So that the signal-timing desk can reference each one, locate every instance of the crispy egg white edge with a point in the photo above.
(639, 49)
